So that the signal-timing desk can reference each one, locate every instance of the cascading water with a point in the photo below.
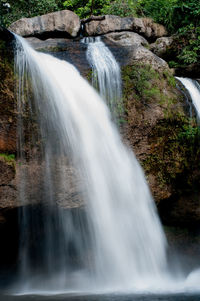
(193, 88)
(124, 241)
(106, 74)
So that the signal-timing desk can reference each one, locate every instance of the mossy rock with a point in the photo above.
(160, 131)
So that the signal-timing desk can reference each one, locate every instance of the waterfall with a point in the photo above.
(193, 88)
(106, 74)
(119, 241)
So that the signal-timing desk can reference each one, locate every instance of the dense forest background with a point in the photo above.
(181, 17)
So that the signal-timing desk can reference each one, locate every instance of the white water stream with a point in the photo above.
(106, 74)
(193, 88)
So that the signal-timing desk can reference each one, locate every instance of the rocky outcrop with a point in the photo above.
(67, 24)
(161, 46)
(129, 47)
(169, 48)
(145, 56)
(126, 39)
(126, 46)
(8, 191)
(61, 23)
(7, 101)
(144, 26)
(165, 141)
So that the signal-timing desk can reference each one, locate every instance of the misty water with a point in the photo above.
(110, 297)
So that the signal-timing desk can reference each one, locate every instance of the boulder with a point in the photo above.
(161, 45)
(143, 26)
(143, 55)
(109, 24)
(126, 38)
(148, 28)
(61, 23)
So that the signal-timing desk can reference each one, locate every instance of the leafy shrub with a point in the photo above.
(174, 14)
(123, 8)
(29, 8)
(85, 8)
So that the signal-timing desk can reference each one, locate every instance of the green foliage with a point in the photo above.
(186, 46)
(181, 17)
(123, 8)
(29, 8)
(170, 78)
(189, 133)
(85, 8)
(174, 14)
(175, 150)
(162, 11)
(8, 157)
(143, 81)
(190, 38)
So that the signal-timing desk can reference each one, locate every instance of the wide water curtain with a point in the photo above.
(118, 242)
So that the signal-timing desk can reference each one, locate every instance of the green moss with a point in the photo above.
(136, 78)
(173, 139)
(175, 153)
(8, 157)
(89, 76)
(170, 78)
(146, 85)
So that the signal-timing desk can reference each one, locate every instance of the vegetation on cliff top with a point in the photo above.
(181, 18)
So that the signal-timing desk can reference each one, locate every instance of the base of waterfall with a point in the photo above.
(99, 296)
(79, 286)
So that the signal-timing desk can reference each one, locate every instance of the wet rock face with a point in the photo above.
(192, 71)
(72, 51)
(127, 48)
(7, 101)
(144, 26)
(181, 211)
(61, 23)
(158, 129)
(8, 190)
